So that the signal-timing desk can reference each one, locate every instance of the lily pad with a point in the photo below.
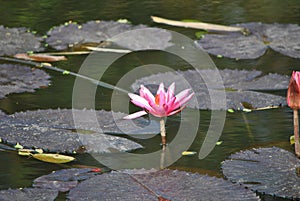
(283, 38)
(271, 171)
(68, 35)
(240, 86)
(63, 180)
(55, 131)
(28, 194)
(18, 79)
(158, 185)
(18, 40)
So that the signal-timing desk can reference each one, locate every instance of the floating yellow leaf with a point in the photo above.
(25, 152)
(53, 158)
(66, 72)
(18, 146)
(124, 21)
(230, 110)
(40, 151)
(45, 64)
(219, 142)
(188, 153)
(292, 139)
(246, 110)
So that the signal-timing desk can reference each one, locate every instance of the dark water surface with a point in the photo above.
(241, 131)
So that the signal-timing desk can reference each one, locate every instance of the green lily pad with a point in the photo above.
(158, 185)
(270, 171)
(246, 87)
(55, 131)
(63, 180)
(283, 38)
(28, 194)
(18, 79)
(18, 40)
(64, 36)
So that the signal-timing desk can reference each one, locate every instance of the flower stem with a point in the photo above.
(296, 133)
(163, 133)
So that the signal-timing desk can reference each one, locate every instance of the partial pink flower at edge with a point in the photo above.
(293, 93)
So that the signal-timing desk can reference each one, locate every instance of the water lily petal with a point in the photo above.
(157, 111)
(186, 99)
(145, 93)
(171, 105)
(160, 97)
(161, 89)
(135, 115)
(170, 92)
(182, 98)
(176, 111)
(139, 101)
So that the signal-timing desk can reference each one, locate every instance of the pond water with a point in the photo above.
(242, 130)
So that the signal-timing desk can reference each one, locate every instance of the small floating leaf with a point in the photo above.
(292, 139)
(246, 110)
(25, 152)
(18, 146)
(230, 110)
(40, 151)
(219, 56)
(188, 153)
(45, 64)
(53, 158)
(66, 72)
(200, 34)
(219, 142)
(125, 21)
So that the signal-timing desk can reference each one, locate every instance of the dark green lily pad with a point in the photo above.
(240, 86)
(283, 38)
(152, 185)
(54, 130)
(271, 171)
(63, 180)
(28, 194)
(18, 79)
(18, 40)
(64, 36)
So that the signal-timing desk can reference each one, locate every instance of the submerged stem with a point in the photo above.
(296, 133)
(163, 133)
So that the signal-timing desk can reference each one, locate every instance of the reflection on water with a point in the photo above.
(241, 131)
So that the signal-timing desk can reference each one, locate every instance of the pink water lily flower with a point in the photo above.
(165, 103)
(293, 101)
